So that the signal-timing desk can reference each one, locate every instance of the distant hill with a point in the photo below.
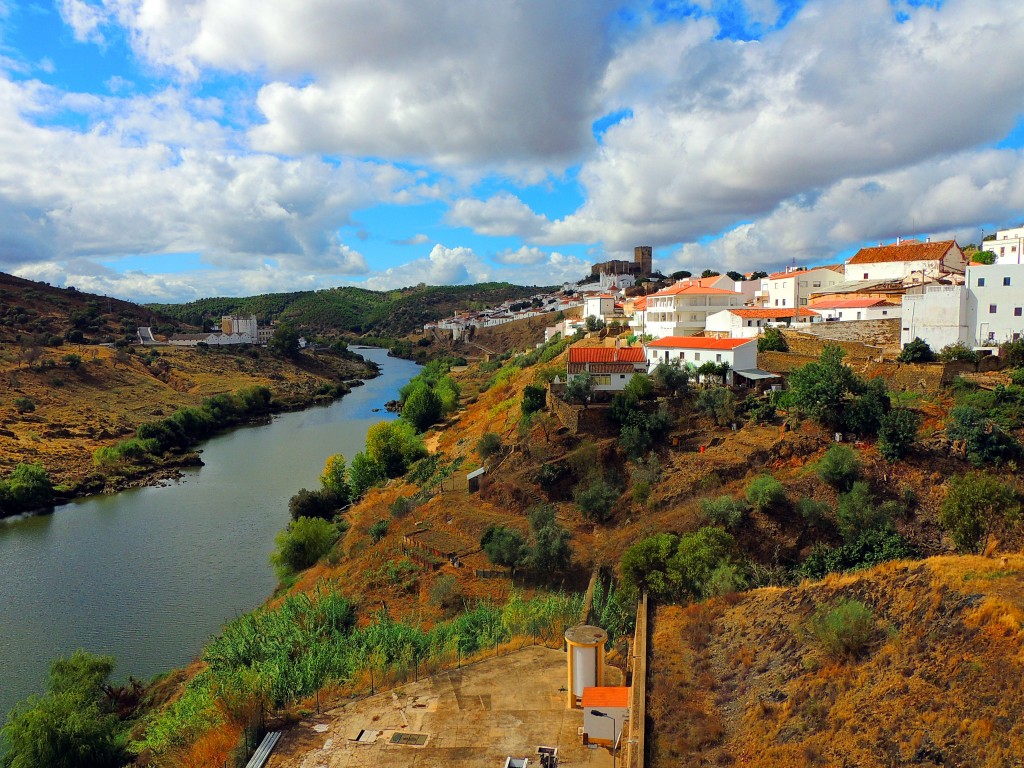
(352, 310)
(48, 315)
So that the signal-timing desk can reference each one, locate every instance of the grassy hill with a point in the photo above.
(749, 680)
(352, 310)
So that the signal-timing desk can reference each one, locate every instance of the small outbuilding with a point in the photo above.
(605, 711)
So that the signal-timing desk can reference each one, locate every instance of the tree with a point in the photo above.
(697, 556)
(735, 276)
(838, 467)
(379, 530)
(758, 275)
(820, 389)
(70, 726)
(334, 479)
(594, 323)
(772, 340)
(551, 552)
(364, 474)
(974, 504)
(24, 405)
(580, 388)
(285, 341)
(534, 399)
(72, 361)
(718, 403)
(27, 487)
(984, 257)
(858, 512)
(709, 273)
(488, 445)
(716, 372)
(958, 351)
(596, 499)
(724, 511)
(320, 503)
(672, 377)
(505, 546)
(302, 543)
(645, 567)
(916, 351)
(422, 407)
(682, 274)
(765, 492)
(865, 412)
(897, 433)
(640, 387)
(394, 445)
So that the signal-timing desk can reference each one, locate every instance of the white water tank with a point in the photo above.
(585, 651)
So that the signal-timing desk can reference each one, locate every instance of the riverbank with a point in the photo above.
(60, 411)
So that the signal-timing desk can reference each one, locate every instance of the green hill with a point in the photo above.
(352, 310)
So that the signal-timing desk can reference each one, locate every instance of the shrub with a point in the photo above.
(534, 399)
(697, 556)
(984, 442)
(916, 351)
(870, 548)
(551, 552)
(820, 389)
(726, 579)
(897, 433)
(957, 351)
(718, 403)
(580, 389)
(505, 546)
(596, 499)
(640, 386)
(363, 474)
(674, 378)
(838, 467)
(973, 505)
(845, 631)
(1013, 353)
(422, 408)
(765, 492)
(24, 404)
(772, 340)
(302, 543)
(445, 593)
(28, 487)
(759, 411)
(379, 530)
(334, 479)
(813, 512)
(645, 566)
(724, 511)
(865, 412)
(858, 512)
(393, 446)
(320, 503)
(488, 445)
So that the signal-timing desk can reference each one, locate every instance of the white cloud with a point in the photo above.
(524, 255)
(417, 239)
(725, 131)
(502, 215)
(84, 19)
(451, 82)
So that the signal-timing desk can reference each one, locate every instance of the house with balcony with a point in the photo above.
(1008, 246)
(908, 261)
(610, 367)
(793, 287)
(682, 309)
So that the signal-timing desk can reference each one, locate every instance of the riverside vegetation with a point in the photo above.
(783, 567)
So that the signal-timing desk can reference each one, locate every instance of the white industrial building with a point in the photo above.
(985, 312)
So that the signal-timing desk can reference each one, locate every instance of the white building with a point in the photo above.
(740, 354)
(611, 367)
(605, 713)
(239, 324)
(749, 322)
(995, 304)
(937, 316)
(793, 287)
(682, 309)
(909, 261)
(856, 309)
(986, 311)
(1008, 246)
(600, 305)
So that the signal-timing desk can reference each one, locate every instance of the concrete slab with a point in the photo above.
(474, 718)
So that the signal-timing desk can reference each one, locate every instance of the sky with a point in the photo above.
(168, 150)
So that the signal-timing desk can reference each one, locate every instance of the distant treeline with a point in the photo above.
(351, 310)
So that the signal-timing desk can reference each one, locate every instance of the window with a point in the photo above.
(1016, 311)
(992, 309)
(776, 302)
(885, 312)
(718, 358)
(816, 284)
(1006, 281)
(696, 355)
(622, 375)
(602, 379)
(865, 276)
(981, 282)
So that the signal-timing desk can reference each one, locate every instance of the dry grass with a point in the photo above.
(755, 685)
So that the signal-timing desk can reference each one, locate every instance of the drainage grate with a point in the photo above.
(409, 739)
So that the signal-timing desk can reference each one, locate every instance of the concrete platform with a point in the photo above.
(473, 717)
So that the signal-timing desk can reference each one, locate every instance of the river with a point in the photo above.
(148, 575)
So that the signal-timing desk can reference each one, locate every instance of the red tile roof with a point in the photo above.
(606, 696)
(674, 290)
(606, 355)
(699, 342)
(602, 367)
(907, 250)
(773, 313)
(852, 304)
(784, 274)
(639, 305)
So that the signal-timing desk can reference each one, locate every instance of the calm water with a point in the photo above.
(149, 575)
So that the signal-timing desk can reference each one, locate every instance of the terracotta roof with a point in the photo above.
(852, 304)
(674, 290)
(699, 342)
(640, 304)
(906, 251)
(606, 354)
(773, 313)
(606, 696)
(840, 268)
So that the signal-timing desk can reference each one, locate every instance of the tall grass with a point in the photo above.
(277, 656)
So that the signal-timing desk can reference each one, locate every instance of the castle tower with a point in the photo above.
(643, 258)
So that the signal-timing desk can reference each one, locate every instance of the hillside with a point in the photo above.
(352, 310)
(745, 681)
